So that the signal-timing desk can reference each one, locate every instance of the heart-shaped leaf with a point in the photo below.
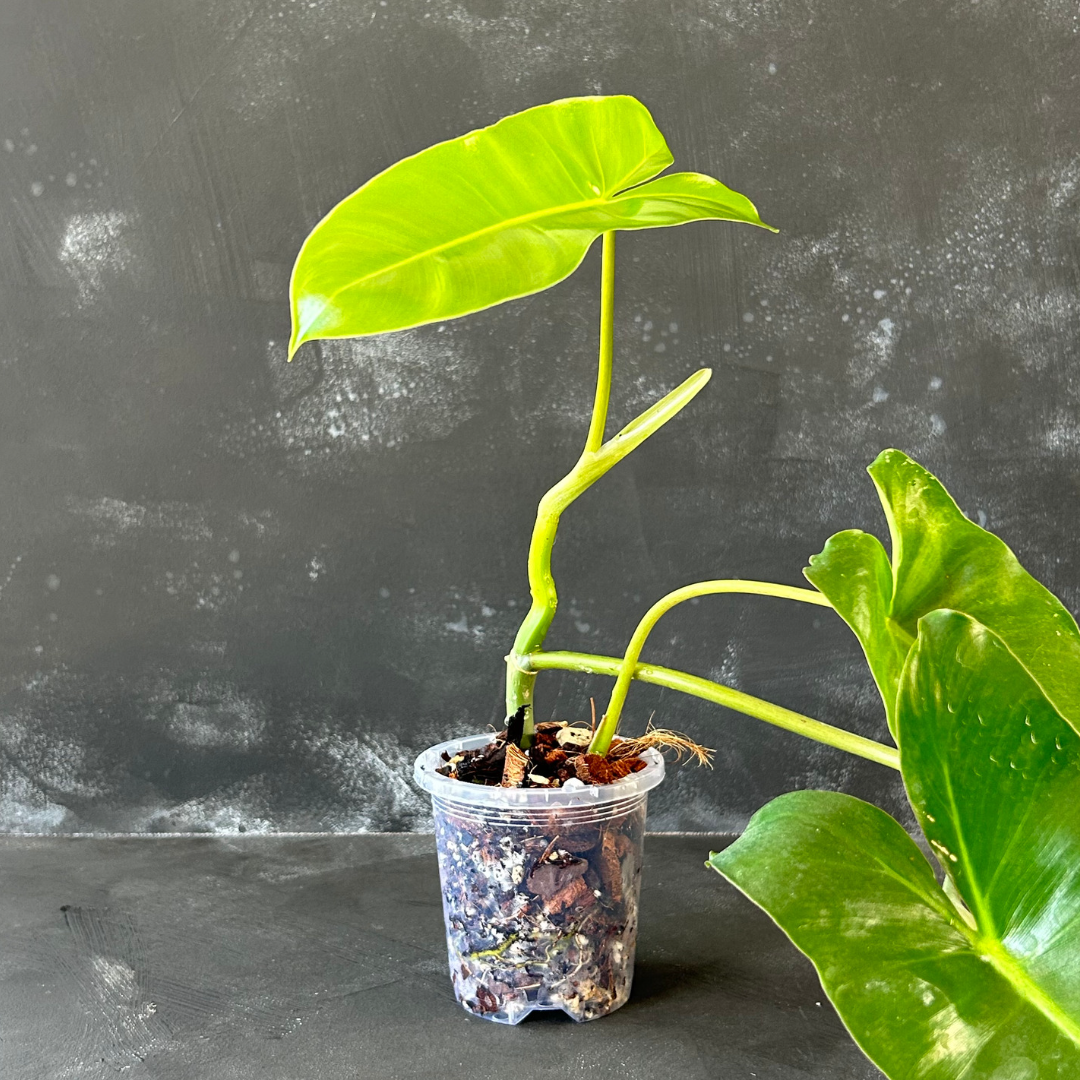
(501, 212)
(993, 772)
(942, 560)
(994, 775)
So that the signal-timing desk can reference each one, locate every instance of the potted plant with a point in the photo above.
(539, 827)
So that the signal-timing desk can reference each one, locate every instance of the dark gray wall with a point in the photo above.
(240, 595)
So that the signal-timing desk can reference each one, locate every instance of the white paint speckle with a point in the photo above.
(373, 394)
(211, 715)
(24, 808)
(372, 774)
(115, 521)
(96, 249)
(232, 810)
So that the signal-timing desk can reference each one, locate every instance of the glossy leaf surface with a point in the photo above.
(994, 775)
(940, 559)
(501, 212)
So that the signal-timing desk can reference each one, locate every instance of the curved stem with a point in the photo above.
(545, 599)
(726, 696)
(607, 345)
(610, 721)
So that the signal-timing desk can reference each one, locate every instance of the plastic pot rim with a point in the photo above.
(480, 795)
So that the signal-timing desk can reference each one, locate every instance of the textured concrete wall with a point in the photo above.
(240, 595)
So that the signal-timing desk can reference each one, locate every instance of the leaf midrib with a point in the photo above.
(1006, 965)
(988, 945)
(506, 223)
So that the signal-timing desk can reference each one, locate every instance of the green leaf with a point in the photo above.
(940, 559)
(993, 772)
(501, 212)
(994, 775)
(854, 573)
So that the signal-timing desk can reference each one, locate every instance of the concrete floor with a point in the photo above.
(318, 958)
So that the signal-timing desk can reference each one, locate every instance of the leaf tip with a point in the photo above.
(297, 338)
(886, 457)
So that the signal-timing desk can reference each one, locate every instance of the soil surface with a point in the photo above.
(556, 756)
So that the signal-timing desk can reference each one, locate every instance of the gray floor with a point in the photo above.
(317, 958)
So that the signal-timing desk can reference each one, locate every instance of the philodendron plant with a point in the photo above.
(978, 665)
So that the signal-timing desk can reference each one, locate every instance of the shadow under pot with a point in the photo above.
(540, 888)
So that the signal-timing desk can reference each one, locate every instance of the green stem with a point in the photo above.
(609, 724)
(726, 696)
(545, 599)
(607, 345)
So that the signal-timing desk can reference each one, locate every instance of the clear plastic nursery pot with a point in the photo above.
(540, 888)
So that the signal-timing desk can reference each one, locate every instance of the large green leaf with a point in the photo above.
(994, 775)
(940, 559)
(501, 212)
(993, 772)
